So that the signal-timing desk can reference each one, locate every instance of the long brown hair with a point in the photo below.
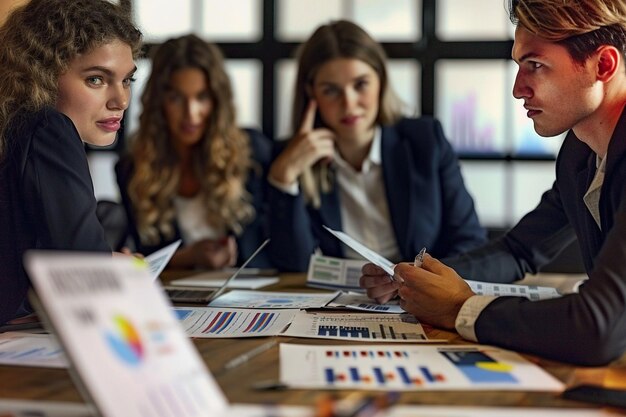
(40, 39)
(339, 39)
(221, 161)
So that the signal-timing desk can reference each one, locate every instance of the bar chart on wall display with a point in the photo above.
(205, 322)
(405, 368)
(365, 326)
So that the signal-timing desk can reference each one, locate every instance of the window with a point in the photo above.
(448, 58)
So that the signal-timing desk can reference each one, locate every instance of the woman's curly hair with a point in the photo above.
(38, 42)
(221, 160)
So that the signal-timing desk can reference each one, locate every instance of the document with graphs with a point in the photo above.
(389, 328)
(124, 343)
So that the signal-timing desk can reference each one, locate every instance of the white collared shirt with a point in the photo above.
(364, 209)
(190, 215)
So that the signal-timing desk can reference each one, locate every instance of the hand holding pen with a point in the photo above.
(419, 258)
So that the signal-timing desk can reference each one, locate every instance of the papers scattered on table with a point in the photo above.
(357, 327)
(532, 292)
(268, 299)
(364, 251)
(356, 301)
(157, 261)
(207, 322)
(410, 367)
(334, 273)
(241, 283)
(24, 349)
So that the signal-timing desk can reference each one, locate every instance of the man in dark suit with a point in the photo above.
(572, 77)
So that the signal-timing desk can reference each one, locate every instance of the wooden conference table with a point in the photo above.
(56, 385)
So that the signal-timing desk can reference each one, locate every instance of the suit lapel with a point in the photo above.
(330, 213)
(610, 199)
(396, 161)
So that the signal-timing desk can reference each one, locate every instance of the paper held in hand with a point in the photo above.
(364, 251)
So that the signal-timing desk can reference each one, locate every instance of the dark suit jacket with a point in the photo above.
(254, 233)
(585, 328)
(428, 203)
(46, 199)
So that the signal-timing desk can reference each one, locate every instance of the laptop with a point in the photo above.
(195, 295)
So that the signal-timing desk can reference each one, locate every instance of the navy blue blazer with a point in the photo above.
(428, 202)
(587, 328)
(46, 199)
(253, 234)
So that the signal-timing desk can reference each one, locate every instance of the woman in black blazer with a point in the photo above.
(357, 165)
(65, 79)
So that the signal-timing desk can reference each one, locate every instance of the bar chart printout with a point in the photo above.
(205, 322)
(363, 326)
(410, 368)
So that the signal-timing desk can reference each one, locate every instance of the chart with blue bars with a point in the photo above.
(380, 332)
(403, 368)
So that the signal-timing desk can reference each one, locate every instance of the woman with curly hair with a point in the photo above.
(65, 73)
(191, 172)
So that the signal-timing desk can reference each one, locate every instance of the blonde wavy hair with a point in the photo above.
(338, 39)
(221, 161)
(38, 42)
(580, 26)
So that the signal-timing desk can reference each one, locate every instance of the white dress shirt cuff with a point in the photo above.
(291, 189)
(469, 313)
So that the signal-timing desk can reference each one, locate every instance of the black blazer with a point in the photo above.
(46, 199)
(254, 233)
(586, 328)
(428, 202)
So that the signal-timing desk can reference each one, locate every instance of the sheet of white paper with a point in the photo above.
(121, 336)
(467, 411)
(240, 283)
(532, 292)
(410, 367)
(24, 349)
(364, 251)
(358, 327)
(269, 299)
(361, 302)
(208, 322)
(564, 283)
(157, 261)
(334, 273)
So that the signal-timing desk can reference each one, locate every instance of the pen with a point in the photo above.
(419, 258)
(244, 357)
